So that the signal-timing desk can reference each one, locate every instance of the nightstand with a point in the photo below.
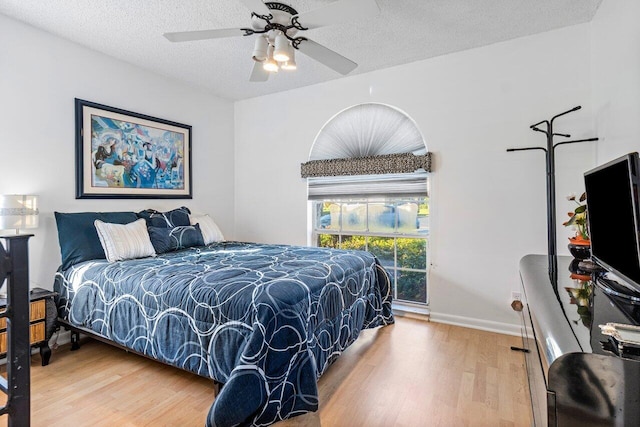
(41, 322)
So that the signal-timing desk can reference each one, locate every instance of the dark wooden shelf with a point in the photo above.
(41, 322)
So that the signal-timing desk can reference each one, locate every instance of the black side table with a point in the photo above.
(42, 317)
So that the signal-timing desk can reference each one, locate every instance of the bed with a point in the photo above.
(265, 321)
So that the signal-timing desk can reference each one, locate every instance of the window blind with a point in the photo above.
(413, 184)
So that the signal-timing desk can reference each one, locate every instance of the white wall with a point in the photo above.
(488, 206)
(616, 77)
(40, 76)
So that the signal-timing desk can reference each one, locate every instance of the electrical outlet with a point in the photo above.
(516, 296)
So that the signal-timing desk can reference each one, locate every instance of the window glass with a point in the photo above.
(384, 249)
(423, 216)
(354, 216)
(322, 217)
(412, 253)
(396, 231)
(328, 241)
(382, 217)
(411, 286)
(354, 242)
(407, 217)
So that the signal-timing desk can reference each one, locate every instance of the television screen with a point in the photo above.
(613, 217)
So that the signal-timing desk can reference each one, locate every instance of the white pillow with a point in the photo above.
(210, 231)
(124, 241)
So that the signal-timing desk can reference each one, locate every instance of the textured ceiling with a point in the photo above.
(404, 31)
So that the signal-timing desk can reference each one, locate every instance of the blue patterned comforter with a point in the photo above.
(264, 320)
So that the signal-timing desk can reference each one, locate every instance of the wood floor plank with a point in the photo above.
(413, 373)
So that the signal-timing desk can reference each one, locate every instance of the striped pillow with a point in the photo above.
(124, 241)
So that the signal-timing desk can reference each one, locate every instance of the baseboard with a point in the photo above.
(63, 337)
(411, 314)
(470, 322)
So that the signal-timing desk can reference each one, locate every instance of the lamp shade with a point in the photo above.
(291, 63)
(260, 49)
(281, 51)
(269, 64)
(18, 212)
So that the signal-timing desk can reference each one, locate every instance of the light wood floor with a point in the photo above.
(413, 373)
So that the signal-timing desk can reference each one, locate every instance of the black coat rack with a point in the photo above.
(551, 185)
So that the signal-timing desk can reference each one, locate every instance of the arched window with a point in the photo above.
(368, 186)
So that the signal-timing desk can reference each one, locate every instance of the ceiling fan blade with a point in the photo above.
(258, 74)
(256, 6)
(187, 36)
(340, 11)
(326, 56)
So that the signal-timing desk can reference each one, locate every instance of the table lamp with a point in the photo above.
(18, 212)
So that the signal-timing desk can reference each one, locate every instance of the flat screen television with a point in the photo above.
(614, 219)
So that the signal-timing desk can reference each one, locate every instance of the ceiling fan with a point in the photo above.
(277, 26)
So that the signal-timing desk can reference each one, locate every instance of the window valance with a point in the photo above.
(370, 165)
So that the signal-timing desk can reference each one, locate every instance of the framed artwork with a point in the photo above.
(126, 155)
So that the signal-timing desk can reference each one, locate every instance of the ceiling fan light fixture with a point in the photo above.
(281, 51)
(270, 64)
(260, 49)
(290, 65)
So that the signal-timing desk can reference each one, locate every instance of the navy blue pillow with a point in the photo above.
(78, 237)
(171, 239)
(170, 219)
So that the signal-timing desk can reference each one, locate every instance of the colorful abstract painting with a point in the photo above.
(124, 154)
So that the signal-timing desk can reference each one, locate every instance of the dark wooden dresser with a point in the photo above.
(577, 376)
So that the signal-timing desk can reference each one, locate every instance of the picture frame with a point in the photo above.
(125, 155)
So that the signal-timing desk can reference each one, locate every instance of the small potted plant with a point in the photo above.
(579, 245)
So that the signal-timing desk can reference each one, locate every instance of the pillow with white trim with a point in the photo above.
(173, 218)
(126, 241)
(172, 239)
(210, 231)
